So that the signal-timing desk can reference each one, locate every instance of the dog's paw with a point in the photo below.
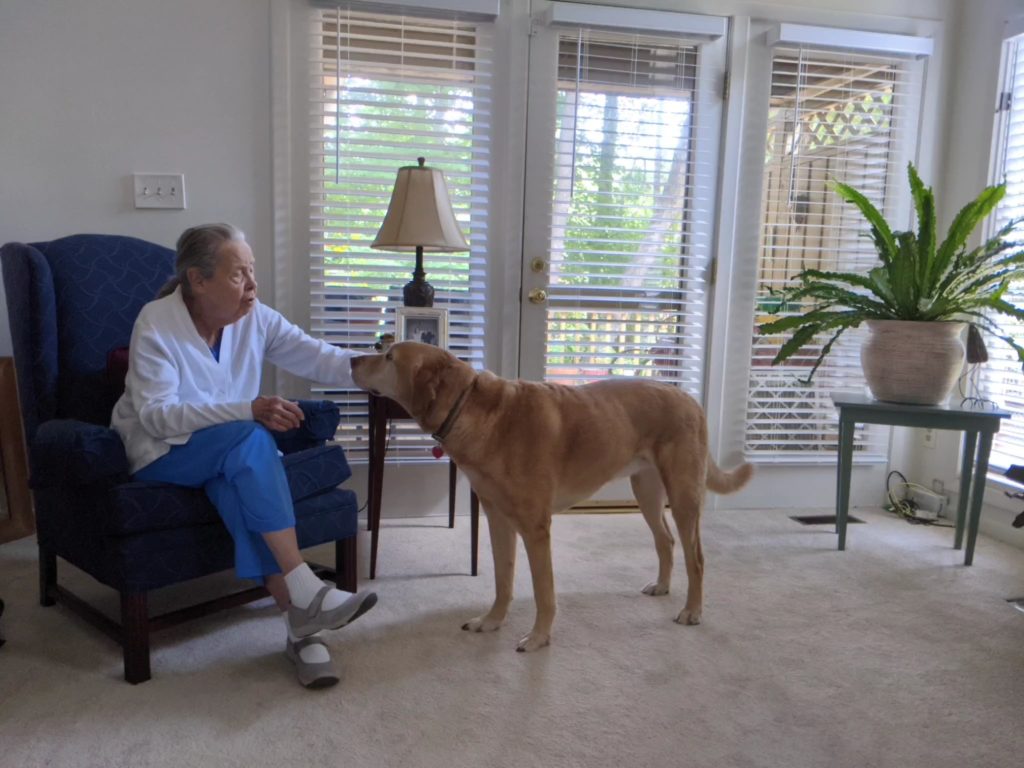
(655, 588)
(533, 642)
(686, 616)
(483, 624)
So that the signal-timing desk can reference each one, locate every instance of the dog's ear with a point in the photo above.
(426, 379)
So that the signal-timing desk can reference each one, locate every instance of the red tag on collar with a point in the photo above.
(438, 451)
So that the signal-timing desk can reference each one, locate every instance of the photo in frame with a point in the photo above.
(428, 325)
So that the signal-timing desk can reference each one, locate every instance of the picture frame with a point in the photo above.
(428, 325)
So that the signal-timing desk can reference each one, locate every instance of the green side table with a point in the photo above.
(973, 422)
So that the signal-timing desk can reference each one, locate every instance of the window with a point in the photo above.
(386, 89)
(832, 115)
(1001, 378)
(629, 236)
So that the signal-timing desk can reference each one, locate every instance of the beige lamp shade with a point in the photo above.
(420, 214)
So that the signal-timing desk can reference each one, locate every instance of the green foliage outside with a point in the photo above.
(619, 222)
(372, 135)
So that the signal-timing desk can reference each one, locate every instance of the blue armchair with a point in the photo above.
(72, 303)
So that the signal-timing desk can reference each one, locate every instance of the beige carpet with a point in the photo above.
(890, 654)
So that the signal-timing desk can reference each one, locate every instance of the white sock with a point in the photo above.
(303, 585)
(311, 654)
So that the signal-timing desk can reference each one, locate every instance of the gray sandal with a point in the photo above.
(311, 674)
(310, 620)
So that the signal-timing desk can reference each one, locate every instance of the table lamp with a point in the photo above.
(420, 218)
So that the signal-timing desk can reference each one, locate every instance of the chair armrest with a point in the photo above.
(318, 426)
(66, 452)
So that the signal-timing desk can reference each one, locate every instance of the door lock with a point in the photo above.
(537, 264)
(538, 296)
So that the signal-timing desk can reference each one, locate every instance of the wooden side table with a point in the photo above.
(383, 409)
(973, 422)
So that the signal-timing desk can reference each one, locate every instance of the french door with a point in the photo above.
(621, 171)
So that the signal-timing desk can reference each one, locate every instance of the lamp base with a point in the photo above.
(418, 293)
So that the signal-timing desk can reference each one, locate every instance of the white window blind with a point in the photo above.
(630, 217)
(387, 88)
(1001, 377)
(848, 116)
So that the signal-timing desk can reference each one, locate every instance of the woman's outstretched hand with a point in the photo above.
(276, 414)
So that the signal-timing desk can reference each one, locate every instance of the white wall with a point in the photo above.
(94, 91)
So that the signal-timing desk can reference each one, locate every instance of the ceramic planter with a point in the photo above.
(915, 362)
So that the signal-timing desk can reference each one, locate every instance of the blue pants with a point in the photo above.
(238, 466)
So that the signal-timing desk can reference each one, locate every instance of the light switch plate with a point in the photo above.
(159, 190)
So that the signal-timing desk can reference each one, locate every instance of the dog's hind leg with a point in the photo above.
(503, 548)
(686, 496)
(650, 495)
(537, 540)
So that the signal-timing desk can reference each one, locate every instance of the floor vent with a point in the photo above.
(822, 519)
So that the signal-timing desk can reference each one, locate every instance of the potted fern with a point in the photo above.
(916, 302)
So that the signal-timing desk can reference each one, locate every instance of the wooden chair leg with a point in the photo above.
(135, 636)
(346, 561)
(47, 578)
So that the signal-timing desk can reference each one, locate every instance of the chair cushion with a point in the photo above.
(69, 452)
(151, 558)
(157, 558)
(137, 507)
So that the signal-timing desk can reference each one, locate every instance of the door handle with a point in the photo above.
(537, 296)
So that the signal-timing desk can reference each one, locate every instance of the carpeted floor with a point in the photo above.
(889, 654)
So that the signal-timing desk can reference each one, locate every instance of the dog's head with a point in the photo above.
(422, 378)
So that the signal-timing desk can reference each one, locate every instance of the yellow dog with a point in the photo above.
(532, 449)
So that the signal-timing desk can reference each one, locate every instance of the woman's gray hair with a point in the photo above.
(197, 248)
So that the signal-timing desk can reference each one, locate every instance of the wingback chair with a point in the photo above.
(72, 303)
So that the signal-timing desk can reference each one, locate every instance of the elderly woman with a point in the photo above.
(191, 414)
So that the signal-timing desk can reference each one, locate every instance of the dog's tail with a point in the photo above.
(727, 482)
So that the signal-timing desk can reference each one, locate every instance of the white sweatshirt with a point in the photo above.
(175, 386)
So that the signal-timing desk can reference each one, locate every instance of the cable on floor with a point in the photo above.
(904, 505)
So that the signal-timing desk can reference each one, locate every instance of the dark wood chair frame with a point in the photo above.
(134, 630)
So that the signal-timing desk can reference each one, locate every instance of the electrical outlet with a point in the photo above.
(159, 190)
(929, 438)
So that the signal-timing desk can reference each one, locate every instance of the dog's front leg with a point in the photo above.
(503, 548)
(538, 550)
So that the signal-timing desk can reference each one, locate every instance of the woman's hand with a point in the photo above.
(276, 414)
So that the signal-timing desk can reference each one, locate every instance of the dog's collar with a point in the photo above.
(453, 414)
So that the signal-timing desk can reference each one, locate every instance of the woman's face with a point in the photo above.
(230, 294)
